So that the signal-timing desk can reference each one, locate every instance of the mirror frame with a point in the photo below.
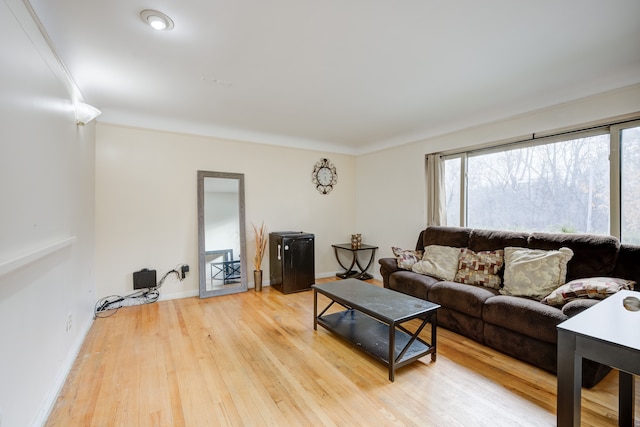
(204, 292)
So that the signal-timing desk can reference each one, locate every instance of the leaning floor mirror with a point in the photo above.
(221, 233)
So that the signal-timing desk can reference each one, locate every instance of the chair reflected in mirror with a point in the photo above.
(226, 271)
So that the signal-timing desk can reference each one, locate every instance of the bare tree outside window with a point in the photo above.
(562, 186)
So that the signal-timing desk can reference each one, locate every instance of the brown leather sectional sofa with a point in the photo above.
(520, 327)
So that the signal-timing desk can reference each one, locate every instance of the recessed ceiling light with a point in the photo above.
(156, 20)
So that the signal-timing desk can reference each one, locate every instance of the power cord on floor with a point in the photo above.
(108, 306)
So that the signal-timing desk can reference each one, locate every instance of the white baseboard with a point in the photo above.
(376, 276)
(61, 377)
(179, 295)
(325, 275)
(250, 285)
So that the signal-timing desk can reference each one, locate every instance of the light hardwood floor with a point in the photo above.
(253, 359)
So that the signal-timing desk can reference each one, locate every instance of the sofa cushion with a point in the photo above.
(532, 272)
(438, 261)
(628, 263)
(466, 299)
(480, 268)
(461, 323)
(593, 255)
(406, 257)
(524, 316)
(489, 240)
(539, 353)
(577, 306)
(411, 283)
(592, 287)
(445, 236)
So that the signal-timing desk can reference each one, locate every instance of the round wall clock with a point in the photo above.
(324, 176)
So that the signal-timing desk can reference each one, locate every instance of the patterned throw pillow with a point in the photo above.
(533, 272)
(593, 287)
(480, 268)
(406, 258)
(438, 261)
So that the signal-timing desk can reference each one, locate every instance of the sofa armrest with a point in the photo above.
(577, 306)
(387, 266)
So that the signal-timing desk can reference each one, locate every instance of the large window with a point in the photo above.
(630, 185)
(452, 173)
(559, 184)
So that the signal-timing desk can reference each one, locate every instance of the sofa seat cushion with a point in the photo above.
(467, 299)
(411, 283)
(524, 316)
(460, 323)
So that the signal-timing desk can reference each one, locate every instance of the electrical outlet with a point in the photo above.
(184, 270)
(69, 322)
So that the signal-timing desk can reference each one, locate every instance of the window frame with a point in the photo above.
(615, 168)
(613, 129)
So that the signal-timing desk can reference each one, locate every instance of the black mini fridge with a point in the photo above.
(291, 261)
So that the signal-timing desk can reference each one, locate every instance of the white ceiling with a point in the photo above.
(343, 75)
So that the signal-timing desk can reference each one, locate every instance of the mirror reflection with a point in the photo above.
(221, 233)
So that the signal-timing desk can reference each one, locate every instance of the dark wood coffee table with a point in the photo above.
(373, 318)
(605, 333)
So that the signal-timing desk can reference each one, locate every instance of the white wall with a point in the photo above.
(146, 190)
(47, 192)
(221, 218)
(391, 184)
(146, 204)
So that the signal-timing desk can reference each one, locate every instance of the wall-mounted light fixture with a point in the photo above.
(156, 20)
(85, 113)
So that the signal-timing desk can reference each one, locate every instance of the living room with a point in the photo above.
(111, 198)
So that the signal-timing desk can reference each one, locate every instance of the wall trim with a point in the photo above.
(34, 255)
(61, 377)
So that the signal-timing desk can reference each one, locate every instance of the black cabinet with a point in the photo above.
(291, 261)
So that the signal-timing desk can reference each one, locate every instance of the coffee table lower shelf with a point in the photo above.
(372, 337)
